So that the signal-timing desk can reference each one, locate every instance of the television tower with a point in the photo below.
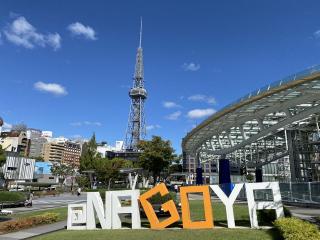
(136, 130)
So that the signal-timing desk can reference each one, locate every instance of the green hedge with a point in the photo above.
(12, 196)
(297, 229)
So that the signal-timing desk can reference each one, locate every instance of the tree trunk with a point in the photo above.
(71, 184)
(154, 175)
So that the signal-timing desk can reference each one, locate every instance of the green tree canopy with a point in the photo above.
(108, 170)
(156, 155)
(62, 171)
(89, 154)
(176, 165)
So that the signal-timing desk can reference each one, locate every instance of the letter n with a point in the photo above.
(95, 204)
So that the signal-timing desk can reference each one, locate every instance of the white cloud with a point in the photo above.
(53, 88)
(316, 34)
(168, 104)
(151, 127)
(200, 113)
(54, 40)
(174, 116)
(20, 32)
(190, 67)
(6, 126)
(203, 98)
(78, 29)
(86, 123)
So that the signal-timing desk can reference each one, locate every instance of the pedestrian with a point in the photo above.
(28, 202)
(78, 191)
(176, 188)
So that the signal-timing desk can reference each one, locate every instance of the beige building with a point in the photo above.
(62, 152)
(53, 152)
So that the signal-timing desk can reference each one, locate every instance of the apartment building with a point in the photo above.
(53, 152)
(72, 153)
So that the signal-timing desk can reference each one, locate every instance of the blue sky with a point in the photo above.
(66, 66)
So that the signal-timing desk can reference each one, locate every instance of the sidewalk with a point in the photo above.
(32, 232)
(307, 214)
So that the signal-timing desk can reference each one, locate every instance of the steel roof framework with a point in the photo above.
(251, 130)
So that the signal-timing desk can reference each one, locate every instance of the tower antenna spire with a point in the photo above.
(136, 130)
(140, 32)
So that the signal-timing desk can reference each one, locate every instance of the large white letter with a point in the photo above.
(94, 202)
(228, 201)
(118, 209)
(254, 206)
(77, 217)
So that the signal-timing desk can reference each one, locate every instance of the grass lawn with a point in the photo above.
(61, 211)
(6, 196)
(216, 234)
(196, 208)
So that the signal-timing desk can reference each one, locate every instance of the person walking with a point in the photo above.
(28, 202)
(176, 188)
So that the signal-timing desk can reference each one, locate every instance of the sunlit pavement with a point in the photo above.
(51, 202)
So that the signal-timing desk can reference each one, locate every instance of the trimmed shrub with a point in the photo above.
(6, 196)
(297, 229)
(28, 222)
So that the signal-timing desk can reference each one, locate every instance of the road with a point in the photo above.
(51, 202)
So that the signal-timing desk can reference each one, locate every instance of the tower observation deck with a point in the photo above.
(136, 130)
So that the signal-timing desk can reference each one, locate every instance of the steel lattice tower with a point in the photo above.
(136, 124)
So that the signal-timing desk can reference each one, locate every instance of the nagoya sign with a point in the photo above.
(82, 216)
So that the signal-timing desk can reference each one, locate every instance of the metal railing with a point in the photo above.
(303, 192)
(309, 71)
(292, 192)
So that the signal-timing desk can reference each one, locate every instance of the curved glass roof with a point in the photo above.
(296, 88)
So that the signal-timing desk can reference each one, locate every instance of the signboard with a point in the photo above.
(83, 217)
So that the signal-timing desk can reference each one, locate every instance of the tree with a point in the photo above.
(89, 154)
(2, 156)
(62, 171)
(176, 165)
(83, 181)
(156, 155)
(108, 170)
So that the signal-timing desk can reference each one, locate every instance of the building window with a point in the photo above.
(11, 168)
